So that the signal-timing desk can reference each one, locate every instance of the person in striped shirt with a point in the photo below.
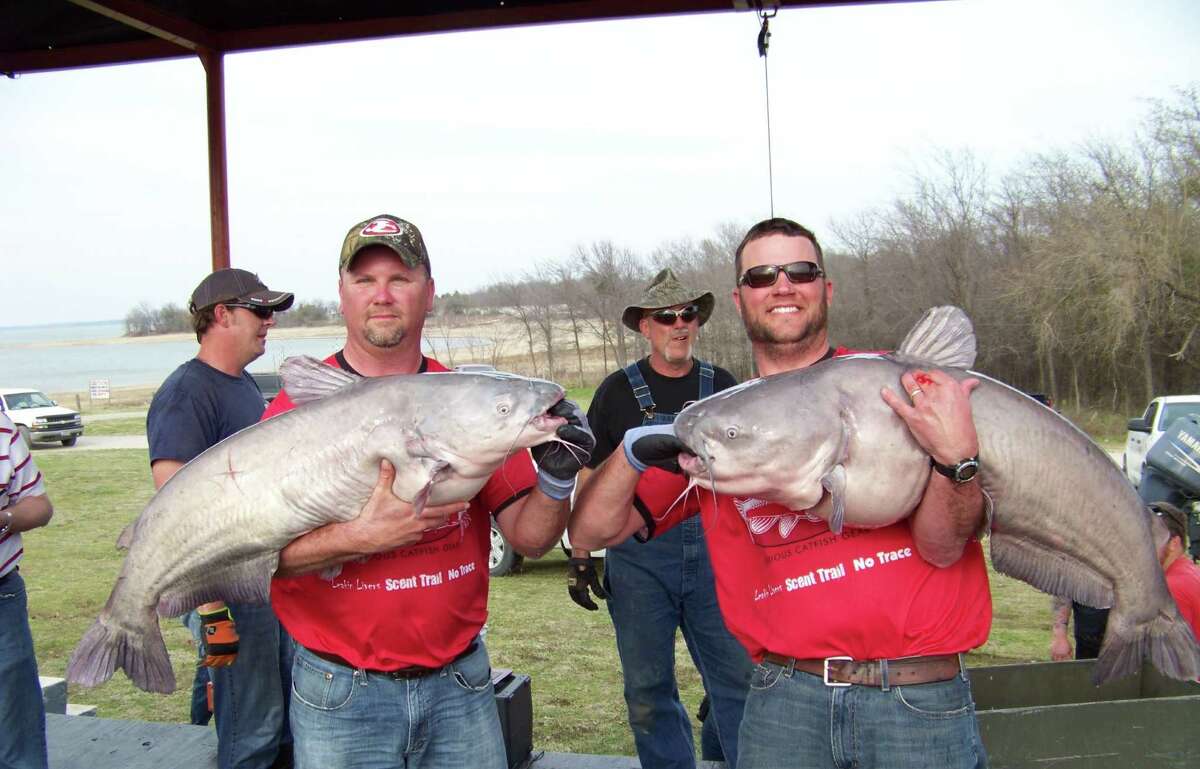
(23, 506)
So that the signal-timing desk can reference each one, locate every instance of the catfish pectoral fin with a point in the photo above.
(1051, 571)
(834, 482)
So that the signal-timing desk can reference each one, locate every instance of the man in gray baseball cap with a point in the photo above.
(208, 398)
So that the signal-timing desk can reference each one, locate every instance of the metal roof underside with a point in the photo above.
(39, 35)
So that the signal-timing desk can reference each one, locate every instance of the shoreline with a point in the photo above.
(498, 340)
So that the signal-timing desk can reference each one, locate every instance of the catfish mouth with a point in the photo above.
(693, 465)
(546, 423)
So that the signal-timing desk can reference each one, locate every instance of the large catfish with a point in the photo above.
(215, 529)
(821, 440)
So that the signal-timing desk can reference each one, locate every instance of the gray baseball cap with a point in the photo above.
(234, 285)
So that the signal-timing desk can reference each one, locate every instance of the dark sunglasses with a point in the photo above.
(262, 312)
(765, 275)
(667, 317)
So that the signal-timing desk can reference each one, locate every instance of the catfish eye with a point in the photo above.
(503, 409)
(731, 433)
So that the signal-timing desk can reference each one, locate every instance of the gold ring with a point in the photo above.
(915, 392)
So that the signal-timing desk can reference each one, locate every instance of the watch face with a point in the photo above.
(966, 471)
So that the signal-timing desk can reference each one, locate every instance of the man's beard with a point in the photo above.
(676, 359)
(759, 331)
(384, 337)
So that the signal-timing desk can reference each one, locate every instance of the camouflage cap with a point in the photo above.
(386, 230)
(666, 291)
(234, 285)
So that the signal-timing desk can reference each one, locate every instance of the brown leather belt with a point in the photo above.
(843, 671)
(399, 674)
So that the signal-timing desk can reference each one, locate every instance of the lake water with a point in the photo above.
(38, 356)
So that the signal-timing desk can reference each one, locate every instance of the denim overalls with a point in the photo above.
(656, 587)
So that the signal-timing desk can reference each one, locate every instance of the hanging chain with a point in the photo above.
(764, 42)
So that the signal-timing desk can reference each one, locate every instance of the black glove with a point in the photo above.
(581, 575)
(654, 446)
(564, 462)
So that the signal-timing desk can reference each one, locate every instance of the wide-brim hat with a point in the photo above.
(666, 291)
(234, 285)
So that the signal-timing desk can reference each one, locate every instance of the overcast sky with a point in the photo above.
(510, 146)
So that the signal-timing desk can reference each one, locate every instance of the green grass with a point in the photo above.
(124, 426)
(570, 654)
(70, 567)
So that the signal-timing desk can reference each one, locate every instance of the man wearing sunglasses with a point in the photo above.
(242, 649)
(656, 588)
(857, 666)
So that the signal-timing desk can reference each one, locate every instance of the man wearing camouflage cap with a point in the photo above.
(390, 669)
(654, 588)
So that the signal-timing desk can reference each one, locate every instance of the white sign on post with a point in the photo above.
(98, 389)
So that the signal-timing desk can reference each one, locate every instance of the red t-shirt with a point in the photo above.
(418, 605)
(789, 585)
(1183, 580)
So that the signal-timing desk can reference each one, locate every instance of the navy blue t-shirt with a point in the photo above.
(197, 407)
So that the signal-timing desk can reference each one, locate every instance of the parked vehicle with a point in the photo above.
(503, 559)
(269, 383)
(1149, 427)
(39, 419)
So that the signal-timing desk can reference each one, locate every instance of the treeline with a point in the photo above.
(1080, 270)
(170, 318)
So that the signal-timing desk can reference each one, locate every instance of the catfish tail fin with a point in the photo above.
(1167, 641)
(140, 652)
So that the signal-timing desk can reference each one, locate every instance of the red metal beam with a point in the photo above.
(218, 175)
(75, 57)
(499, 16)
(152, 21)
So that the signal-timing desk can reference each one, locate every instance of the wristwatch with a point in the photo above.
(962, 472)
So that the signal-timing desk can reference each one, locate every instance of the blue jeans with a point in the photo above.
(22, 713)
(795, 720)
(344, 718)
(655, 588)
(250, 697)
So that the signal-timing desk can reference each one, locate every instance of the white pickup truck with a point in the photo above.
(38, 418)
(1149, 427)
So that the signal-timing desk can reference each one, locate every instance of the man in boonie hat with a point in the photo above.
(648, 600)
(244, 655)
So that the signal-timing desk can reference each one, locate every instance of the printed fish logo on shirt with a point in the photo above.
(773, 529)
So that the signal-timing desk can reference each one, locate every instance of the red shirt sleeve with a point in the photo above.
(512, 481)
(281, 404)
(659, 497)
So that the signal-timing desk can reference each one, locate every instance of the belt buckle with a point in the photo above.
(825, 672)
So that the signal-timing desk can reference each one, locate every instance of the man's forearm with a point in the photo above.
(316, 550)
(537, 523)
(604, 513)
(948, 516)
(1062, 615)
(29, 513)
